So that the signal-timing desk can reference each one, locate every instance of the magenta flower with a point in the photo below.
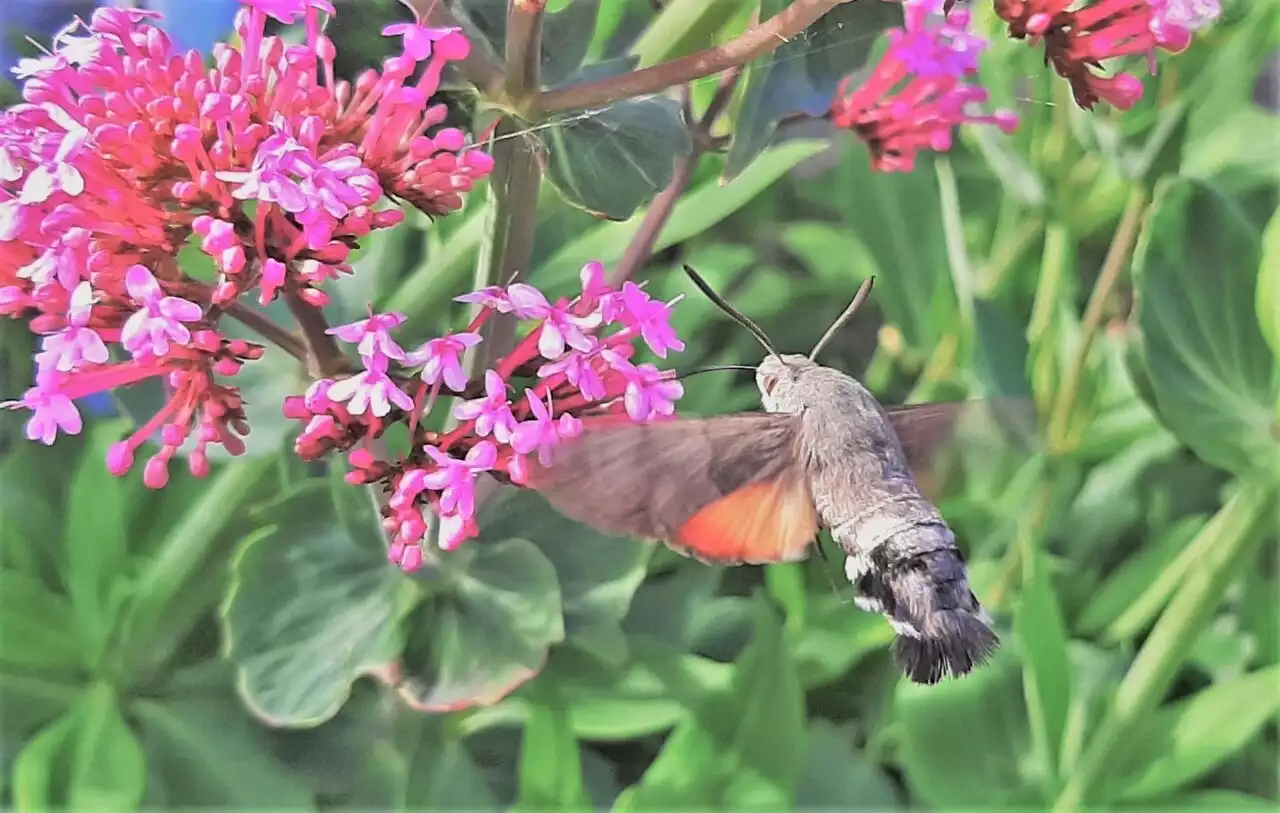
(160, 320)
(543, 431)
(579, 369)
(650, 392)
(77, 344)
(418, 40)
(51, 410)
(492, 413)
(440, 359)
(372, 336)
(650, 318)
(456, 479)
(371, 390)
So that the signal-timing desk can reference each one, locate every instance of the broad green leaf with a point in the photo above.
(1187, 739)
(963, 742)
(32, 513)
(97, 536)
(30, 700)
(741, 747)
(38, 628)
(598, 574)
(1214, 379)
(441, 773)
(310, 609)
(1268, 299)
(684, 26)
(1046, 669)
(204, 750)
(839, 777)
(611, 162)
(491, 626)
(1216, 800)
(803, 73)
(87, 760)
(701, 208)
(550, 762)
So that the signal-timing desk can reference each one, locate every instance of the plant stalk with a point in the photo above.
(756, 41)
(1112, 268)
(269, 330)
(324, 357)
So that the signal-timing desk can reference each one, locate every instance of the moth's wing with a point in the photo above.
(984, 426)
(727, 489)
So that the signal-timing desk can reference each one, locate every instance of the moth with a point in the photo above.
(756, 487)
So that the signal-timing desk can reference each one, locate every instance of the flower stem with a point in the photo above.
(524, 50)
(1237, 529)
(261, 324)
(754, 42)
(1112, 267)
(323, 356)
(659, 212)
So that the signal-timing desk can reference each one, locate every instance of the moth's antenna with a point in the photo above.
(716, 368)
(735, 314)
(864, 290)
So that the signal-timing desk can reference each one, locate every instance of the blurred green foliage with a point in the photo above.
(241, 641)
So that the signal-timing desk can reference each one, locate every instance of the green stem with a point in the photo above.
(324, 357)
(756, 41)
(1237, 530)
(1112, 268)
(261, 324)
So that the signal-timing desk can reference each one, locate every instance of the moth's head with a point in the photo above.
(781, 379)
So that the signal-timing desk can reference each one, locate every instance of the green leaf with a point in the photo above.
(311, 608)
(97, 536)
(1046, 675)
(1268, 299)
(491, 626)
(613, 161)
(962, 742)
(1185, 740)
(684, 26)
(1214, 379)
(740, 747)
(839, 777)
(205, 751)
(88, 760)
(38, 627)
(566, 33)
(702, 208)
(598, 574)
(836, 636)
(441, 773)
(550, 762)
(802, 74)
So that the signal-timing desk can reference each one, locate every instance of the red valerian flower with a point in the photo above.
(497, 431)
(917, 93)
(1078, 37)
(122, 151)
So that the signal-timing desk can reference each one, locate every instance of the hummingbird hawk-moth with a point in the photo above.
(757, 487)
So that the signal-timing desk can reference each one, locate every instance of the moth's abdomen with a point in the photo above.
(917, 580)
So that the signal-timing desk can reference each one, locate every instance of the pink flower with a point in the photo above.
(650, 392)
(77, 344)
(650, 318)
(440, 359)
(544, 431)
(418, 39)
(371, 390)
(456, 479)
(456, 528)
(491, 413)
(580, 371)
(160, 320)
(51, 411)
(372, 336)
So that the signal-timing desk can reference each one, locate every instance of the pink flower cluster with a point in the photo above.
(917, 93)
(123, 150)
(564, 370)
(1079, 36)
